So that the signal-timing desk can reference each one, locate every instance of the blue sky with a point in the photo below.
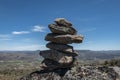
(24, 23)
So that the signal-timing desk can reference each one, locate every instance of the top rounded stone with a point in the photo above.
(62, 29)
(62, 22)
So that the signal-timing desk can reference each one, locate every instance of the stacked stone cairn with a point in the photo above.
(61, 55)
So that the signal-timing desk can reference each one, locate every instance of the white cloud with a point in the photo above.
(5, 37)
(20, 32)
(38, 28)
(24, 47)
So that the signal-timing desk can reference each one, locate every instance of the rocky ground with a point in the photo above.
(77, 73)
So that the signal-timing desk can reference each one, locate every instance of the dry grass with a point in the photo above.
(14, 70)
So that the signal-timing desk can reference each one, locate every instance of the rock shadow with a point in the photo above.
(60, 72)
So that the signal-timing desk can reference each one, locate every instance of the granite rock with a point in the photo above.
(63, 39)
(48, 64)
(60, 57)
(62, 22)
(63, 48)
(62, 29)
(75, 73)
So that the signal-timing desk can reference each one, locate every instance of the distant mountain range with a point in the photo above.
(19, 55)
(96, 55)
(83, 55)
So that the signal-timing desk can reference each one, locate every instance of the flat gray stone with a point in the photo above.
(57, 56)
(63, 39)
(63, 48)
(48, 64)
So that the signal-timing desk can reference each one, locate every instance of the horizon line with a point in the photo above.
(75, 49)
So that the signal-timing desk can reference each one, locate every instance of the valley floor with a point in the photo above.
(13, 70)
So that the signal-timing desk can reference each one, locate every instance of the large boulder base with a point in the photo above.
(62, 22)
(63, 48)
(63, 39)
(60, 57)
(75, 73)
(62, 29)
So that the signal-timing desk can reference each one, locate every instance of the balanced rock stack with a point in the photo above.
(60, 54)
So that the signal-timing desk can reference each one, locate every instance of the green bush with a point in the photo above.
(113, 62)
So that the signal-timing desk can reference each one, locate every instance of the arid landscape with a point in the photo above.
(59, 40)
(16, 64)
